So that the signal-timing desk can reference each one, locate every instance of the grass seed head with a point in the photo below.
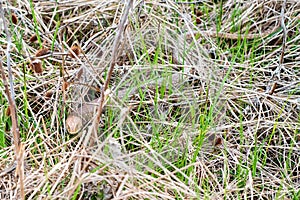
(36, 66)
(75, 49)
(14, 18)
(48, 94)
(218, 141)
(198, 13)
(65, 85)
(33, 38)
(42, 52)
(8, 111)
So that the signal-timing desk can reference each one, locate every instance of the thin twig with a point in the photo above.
(283, 32)
(120, 30)
(193, 2)
(11, 99)
(278, 69)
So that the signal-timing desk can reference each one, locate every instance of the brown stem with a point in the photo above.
(11, 99)
(119, 34)
(15, 131)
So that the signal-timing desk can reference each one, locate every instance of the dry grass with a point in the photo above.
(200, 106)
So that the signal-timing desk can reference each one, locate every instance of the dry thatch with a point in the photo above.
(209, 104)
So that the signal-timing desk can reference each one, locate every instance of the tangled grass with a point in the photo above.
(209, 104)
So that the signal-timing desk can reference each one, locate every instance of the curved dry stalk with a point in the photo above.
(19, 150)
(119, 34)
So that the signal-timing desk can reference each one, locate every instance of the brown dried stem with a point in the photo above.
(11, 99)
(283, 32)
(120, 30)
